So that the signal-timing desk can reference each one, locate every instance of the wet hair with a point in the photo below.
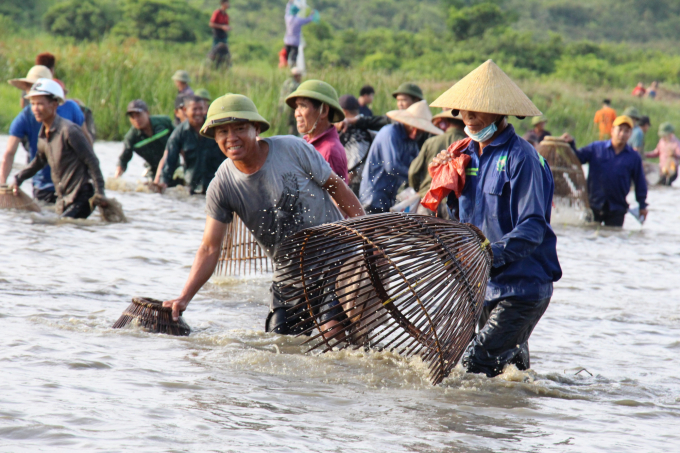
(46, 59)
(366, 90)
(644, 121)
(607, 101)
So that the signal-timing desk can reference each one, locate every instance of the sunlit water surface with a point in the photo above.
(71, 383)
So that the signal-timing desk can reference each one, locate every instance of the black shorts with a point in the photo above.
(80, 208)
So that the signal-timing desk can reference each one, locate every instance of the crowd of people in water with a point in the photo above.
(340, 160)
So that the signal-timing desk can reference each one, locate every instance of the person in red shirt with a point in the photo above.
(639, 90)
(316, 108)
(219, 22)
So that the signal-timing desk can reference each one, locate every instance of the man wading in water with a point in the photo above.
(63, 145)
(508, 195)
(277, 186)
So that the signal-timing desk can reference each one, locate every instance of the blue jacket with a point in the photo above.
(610, 175)
(508, 195)
(386, 167)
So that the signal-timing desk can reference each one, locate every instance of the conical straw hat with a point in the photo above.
(488, 89)
(418, 115)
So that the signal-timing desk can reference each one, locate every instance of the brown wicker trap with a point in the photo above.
(241, 254)
(21, 201)
(153, 316)
(410, 283)
(570, 182)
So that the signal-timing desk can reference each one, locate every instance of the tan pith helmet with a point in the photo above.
(232, 108)
(488, 89)
(35, 73)
(418, 115)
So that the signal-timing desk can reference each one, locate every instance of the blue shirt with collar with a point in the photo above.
(25, 125)
(610, 175)
(508, 195)
(386, 167)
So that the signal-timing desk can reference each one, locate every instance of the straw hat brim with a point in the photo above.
(422, 124)
(447, 114)
(208, 129)
(23, 84)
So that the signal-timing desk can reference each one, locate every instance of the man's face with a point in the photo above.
(139, 120)
(224, 6)
(195, 113)
(180, 85)
(540, 127)
(645, 128)
(621, 134)
(412, 132)
(236, 139)
(368, 98)
(306, 115)
(43, 107)
(476, 121)
(404, 101)
(297, 77)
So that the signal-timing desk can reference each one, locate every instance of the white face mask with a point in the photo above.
(482, 135)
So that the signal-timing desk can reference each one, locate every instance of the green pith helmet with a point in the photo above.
(320, 91)
(203, 94)
(411, 89)
(632, 112)
(666, 129)
(231, 108)
(182, 76)
(538, 120)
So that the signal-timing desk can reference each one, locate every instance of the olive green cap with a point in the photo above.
(320, 91)
(182, 76)
(665, 129)
(411, 89)
(632, 112)
(231, 108)
(538, 120)
(203, 94)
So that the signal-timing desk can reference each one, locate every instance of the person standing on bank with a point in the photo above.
(293, 35)
(181, 80)
(508, 195)
(147, 137)
(604, 119)
(277, 186)
(316, 109)
(537, 132)
(219, 23)
(65, 148)
(366, 96)
(613, 165)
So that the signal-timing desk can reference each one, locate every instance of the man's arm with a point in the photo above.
(373, 123)
(8, 158)
(204, 265)
(343, 196)
(640, 187)
(124, 159)
(37, 164)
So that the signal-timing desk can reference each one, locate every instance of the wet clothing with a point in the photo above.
(294, 26)
(508, 195)
(356, 142)
(535, 138)
(637, 140)
(149, 148)
(45, 195)
(202, 157)
(222, 18)
(329, 146)
(609, 218)
(503, 338)
(418, 175)
(610, 175)
(365, 111)
(25, 125)
(604, 118)
(668, 152)
(386, 167)
(71, 159)
(288, 114)
(81, 207)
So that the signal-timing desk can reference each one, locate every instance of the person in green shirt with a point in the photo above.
(418, 175)
(202, 156)
(147, 137)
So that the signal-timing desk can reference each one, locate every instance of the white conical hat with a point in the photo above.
(487, 89)
(418, 115)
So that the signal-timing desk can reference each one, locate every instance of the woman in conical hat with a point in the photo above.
(507, 193)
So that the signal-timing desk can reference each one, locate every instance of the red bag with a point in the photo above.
(283, 58)
(449, 177)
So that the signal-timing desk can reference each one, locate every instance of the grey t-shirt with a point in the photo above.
(281, 198)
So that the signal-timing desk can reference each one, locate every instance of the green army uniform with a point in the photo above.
(287, 113)
(418, 175)
(150, 149)
(202, 157)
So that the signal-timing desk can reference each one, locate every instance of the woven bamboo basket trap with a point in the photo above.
(21, 201)
(241, 254)
(409, 283)
(570, 182)
(152, 316)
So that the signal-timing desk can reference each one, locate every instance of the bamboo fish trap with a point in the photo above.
(570, 182)
(241, 255)
(22, 201)
(152, 316)
(411, 283)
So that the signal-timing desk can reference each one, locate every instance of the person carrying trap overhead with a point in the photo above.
(507, 193)
(277, 186)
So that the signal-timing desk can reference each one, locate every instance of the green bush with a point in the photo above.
(473, 21)
(79, 19)
(165, 20)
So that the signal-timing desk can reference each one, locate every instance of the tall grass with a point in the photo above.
(107, 75)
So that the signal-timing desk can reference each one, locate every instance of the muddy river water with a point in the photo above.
(71, 383)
